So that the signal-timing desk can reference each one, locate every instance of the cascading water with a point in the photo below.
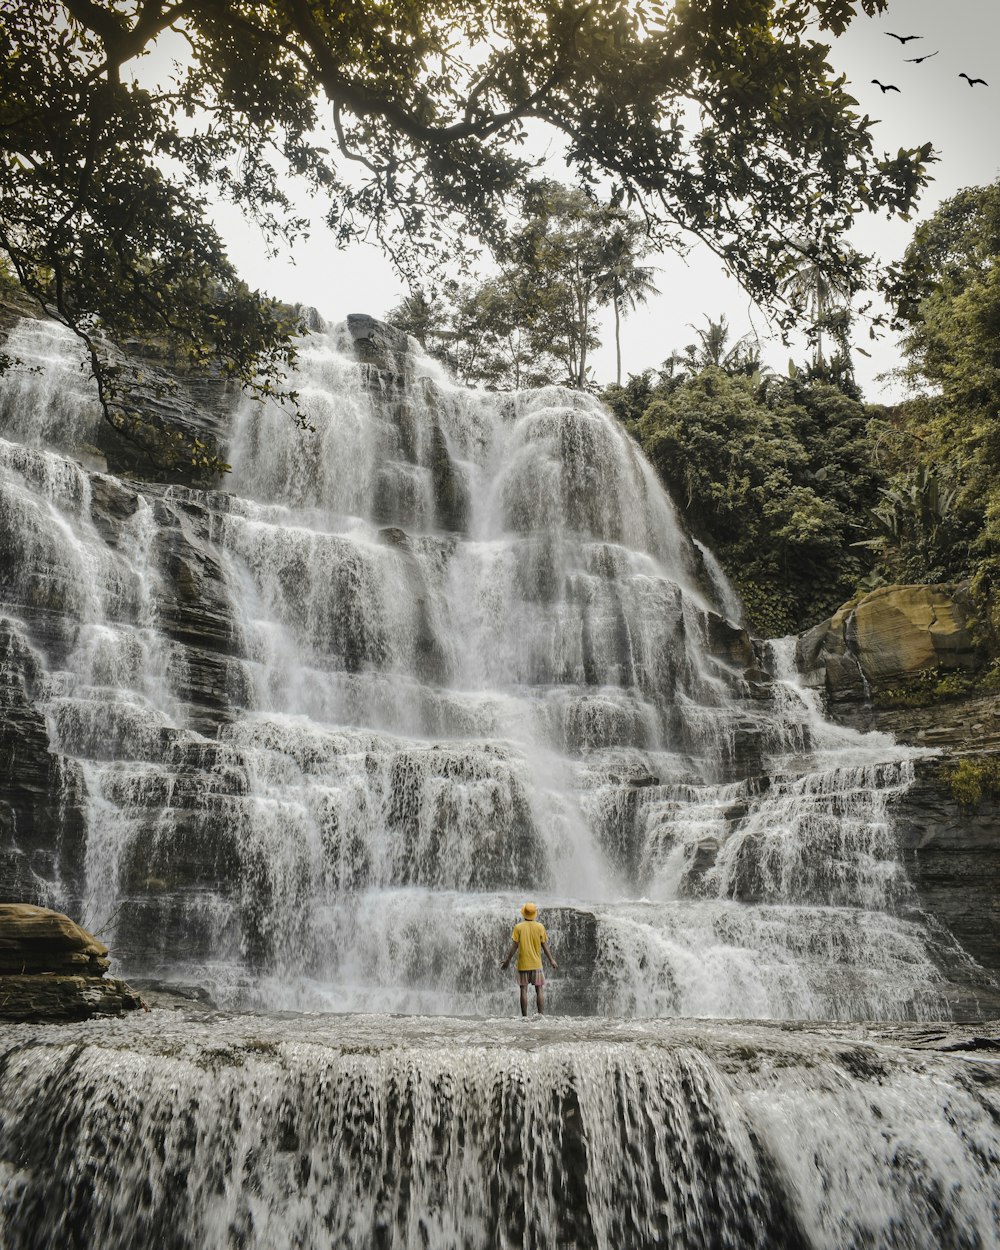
(455, 652)
(311, 740)
(342, 1132)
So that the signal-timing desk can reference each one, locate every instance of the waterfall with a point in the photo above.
(726, 596)
(313, 737)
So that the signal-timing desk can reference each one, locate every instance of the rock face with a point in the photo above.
(897, 642)
(891, 635)
(952, 854)
(232, 727)
(51, 969)
(50, 999)
(14, 307)
(160, 536)
(41, 818)
(172, 400)
(373, 335)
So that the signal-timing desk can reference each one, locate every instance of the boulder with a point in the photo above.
(36, 939)
(728, 642)
(52, 969)
(380, 345)
(890, 636)
(364, 328)
(898, 631)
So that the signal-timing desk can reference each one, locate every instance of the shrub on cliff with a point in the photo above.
(972, 780)
(775, 475)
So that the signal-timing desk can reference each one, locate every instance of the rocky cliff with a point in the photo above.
(904, 660)
(172, 407)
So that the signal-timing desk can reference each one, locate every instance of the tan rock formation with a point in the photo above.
(899, 631)
(889, 636)
(52, 969)
(36, 939)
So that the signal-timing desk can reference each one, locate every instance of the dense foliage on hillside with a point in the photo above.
(807, 494)
(945, 460)
(774, 473)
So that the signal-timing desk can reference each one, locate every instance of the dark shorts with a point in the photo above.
(531, 976)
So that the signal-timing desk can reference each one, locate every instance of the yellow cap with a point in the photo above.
(529, 911)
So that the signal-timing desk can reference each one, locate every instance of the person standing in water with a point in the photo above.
(529, 939)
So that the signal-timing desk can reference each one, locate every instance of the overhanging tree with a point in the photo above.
(721, 120)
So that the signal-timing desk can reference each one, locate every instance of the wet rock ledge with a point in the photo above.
(52, 970)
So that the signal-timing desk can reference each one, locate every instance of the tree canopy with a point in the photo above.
(942, 450)
(714, 349)
(721, 119)
(535, 320)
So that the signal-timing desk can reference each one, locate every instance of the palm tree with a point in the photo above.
(822, 294)
(711, 350)
(623, 281)
(421, 314)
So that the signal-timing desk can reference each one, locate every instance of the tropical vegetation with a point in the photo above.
(774, 473)
(534, 321)
(810, 496)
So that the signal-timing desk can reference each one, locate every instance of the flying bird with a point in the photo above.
(915, 60)
(972, 81)
(904, 39)
(885, 86)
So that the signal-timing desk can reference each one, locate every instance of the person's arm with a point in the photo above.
(510, 954)
(548, 955)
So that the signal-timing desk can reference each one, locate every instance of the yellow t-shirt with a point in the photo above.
(529, 936)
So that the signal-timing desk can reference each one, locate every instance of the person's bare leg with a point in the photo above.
(540, 1000)
(524, 1000)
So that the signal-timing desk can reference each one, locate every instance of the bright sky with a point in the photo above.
(933, 104)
